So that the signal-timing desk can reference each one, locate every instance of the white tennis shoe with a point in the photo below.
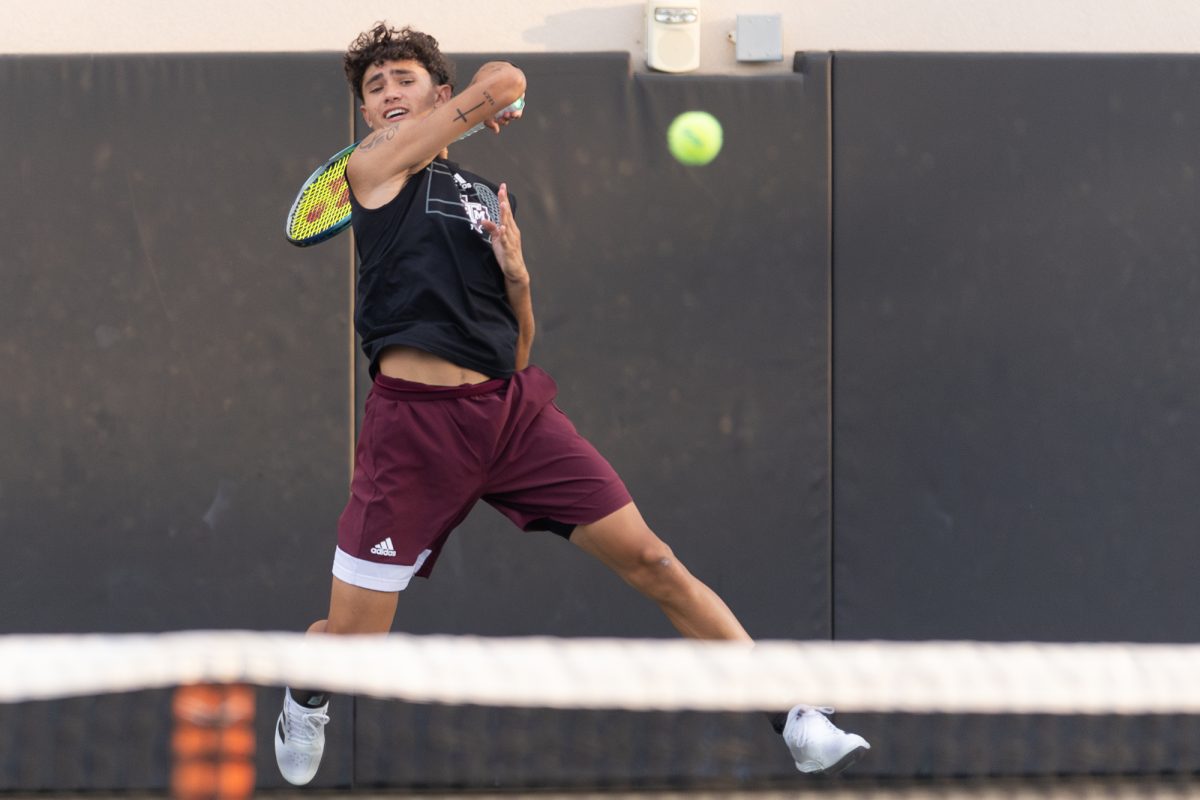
(817, 745)
(300, 740)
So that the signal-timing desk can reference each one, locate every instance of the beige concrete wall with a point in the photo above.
(576, 25)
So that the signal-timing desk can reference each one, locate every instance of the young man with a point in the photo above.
(456, 414)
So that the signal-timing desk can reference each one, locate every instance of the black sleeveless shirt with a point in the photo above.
(427, 276)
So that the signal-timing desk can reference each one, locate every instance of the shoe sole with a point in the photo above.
(842, 763)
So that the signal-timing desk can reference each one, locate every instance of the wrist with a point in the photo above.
(517, 278)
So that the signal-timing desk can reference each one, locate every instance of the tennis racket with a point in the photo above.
(321, 209)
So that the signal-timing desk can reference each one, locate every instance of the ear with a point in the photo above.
(363, 110)
(443, 94)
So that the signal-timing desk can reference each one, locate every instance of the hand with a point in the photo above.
(506, 241)
(494, 124)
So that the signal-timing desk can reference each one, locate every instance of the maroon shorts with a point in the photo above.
(426, 454)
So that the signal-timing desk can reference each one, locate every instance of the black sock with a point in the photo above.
(778, 721)
(309, 698)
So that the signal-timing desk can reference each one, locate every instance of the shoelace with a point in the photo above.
(823, 713)
(304, 728)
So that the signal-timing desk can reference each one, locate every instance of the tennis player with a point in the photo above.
(456, 413)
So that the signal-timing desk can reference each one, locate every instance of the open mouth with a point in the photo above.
(395, 114)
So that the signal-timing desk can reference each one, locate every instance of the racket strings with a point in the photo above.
(324, 204)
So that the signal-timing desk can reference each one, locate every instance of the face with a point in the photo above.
(395, 91)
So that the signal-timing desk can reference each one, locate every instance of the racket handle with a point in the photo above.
(517, 105)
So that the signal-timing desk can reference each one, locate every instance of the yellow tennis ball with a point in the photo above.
(695, 138)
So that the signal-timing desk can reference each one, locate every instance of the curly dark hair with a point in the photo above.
(385, 43)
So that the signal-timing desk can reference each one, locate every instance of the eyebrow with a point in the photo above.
(378, 76)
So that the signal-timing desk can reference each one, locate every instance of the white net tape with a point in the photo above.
(952, 677)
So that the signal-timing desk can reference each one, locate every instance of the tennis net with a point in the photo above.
(192, 714)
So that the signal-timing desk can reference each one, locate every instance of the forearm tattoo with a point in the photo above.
(462, 115)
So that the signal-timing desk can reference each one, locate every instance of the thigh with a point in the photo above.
(415, 478)
(551, 478)
(353, 609)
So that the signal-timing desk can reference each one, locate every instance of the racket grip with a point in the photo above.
(517, 105)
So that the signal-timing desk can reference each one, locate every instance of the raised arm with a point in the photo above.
(412, 121)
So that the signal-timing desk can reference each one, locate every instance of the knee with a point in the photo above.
(655, 572)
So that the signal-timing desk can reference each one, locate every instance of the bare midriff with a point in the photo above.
(418, 366)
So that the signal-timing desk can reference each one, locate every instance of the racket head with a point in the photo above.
(322, 207)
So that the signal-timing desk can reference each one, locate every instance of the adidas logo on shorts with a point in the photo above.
(384, 548)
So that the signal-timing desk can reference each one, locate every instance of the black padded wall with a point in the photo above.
(1015, 346)
(178, 384)
(175, 410)
(174, 413)
(1013, 444)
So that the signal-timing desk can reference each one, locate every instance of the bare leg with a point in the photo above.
(353, 609)
(624, 542)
